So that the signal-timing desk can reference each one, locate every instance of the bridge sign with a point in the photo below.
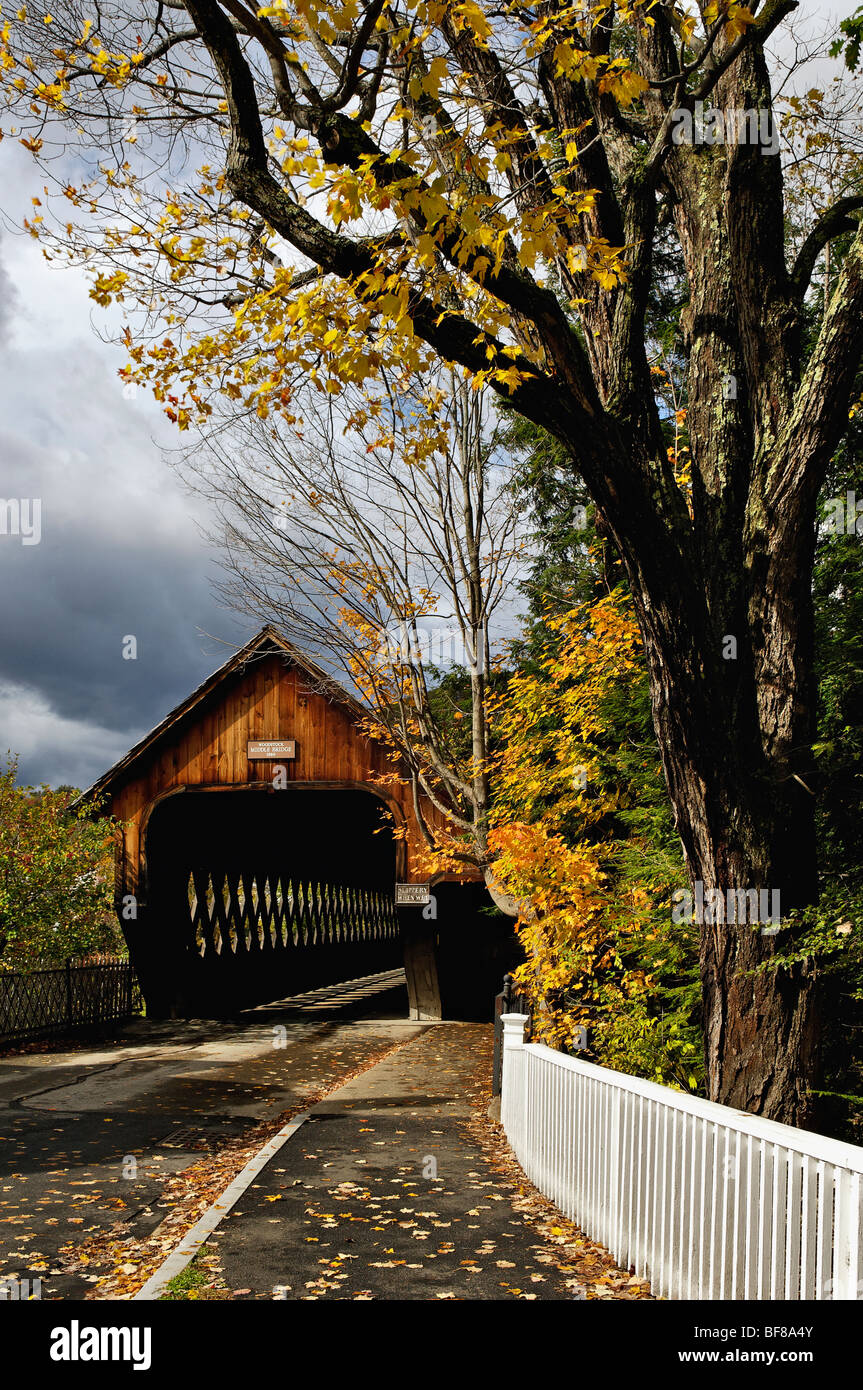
(271, 748)
(412, 894)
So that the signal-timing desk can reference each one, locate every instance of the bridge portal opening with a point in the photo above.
(254, 895)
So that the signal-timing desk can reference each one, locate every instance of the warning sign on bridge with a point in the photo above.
(412, 894)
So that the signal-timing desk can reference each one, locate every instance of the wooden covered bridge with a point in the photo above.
(256, 856)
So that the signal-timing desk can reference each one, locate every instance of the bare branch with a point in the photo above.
(832, 223)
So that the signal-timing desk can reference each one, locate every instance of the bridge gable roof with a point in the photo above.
(267, 642)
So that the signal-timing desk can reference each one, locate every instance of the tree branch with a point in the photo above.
(820, 409)
(832, 223)
(454, 337)
(770, 18)
(348, 85)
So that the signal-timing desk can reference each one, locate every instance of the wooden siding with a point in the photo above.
(269, 698)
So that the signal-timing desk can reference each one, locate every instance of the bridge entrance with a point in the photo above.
(257, 895)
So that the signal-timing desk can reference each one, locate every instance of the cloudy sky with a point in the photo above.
(120, 551)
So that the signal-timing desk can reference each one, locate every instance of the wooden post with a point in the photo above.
(418, 937)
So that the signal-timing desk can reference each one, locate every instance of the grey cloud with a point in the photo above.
(120, 553)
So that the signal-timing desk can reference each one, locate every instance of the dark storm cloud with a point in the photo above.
(91, 581)
(120, 553)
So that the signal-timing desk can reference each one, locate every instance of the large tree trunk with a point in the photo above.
(745, 825)
(735, 729)
(724, 595)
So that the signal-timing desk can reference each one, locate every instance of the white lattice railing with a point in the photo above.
(704, 1201)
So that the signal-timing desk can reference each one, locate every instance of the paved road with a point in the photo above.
(89, 1136)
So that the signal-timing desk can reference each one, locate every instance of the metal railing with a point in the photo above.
(509, 1001)
(44, 1003)
(704, 1201)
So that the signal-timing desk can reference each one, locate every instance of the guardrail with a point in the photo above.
(44, 1003)
(704, 1201)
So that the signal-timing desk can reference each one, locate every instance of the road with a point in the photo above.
(90, 1136)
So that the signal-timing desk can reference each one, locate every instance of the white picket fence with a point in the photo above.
(704, 1201)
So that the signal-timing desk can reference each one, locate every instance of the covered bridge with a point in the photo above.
(256, 856)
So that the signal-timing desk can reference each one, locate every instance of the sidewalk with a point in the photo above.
(398, 1187)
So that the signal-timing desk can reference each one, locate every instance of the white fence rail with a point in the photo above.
(704, 1201)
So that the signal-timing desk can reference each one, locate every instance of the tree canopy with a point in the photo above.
(56, 876)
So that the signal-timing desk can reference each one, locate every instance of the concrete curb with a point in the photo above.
(195, 1238)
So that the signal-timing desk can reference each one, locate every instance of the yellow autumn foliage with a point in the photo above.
(592, 940)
